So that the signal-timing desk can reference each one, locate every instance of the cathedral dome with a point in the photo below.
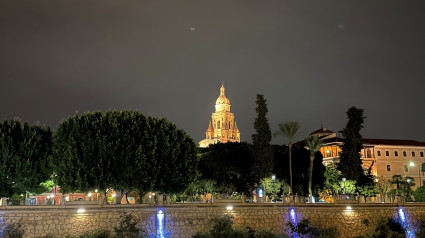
(222, 99)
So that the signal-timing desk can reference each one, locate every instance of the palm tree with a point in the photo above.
(289, 130)
(313, 143)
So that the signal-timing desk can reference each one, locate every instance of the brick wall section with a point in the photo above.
(185, 220)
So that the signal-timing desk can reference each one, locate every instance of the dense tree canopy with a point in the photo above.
(300, 168)
(262, 150)
(350, 163)
(229, 166)
(122, 150)
(24, 153)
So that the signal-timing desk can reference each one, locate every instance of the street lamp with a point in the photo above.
(273, 192)
(89, 194)
(411, 164)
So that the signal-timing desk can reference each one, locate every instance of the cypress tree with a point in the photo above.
(350, 163)
(262, 150)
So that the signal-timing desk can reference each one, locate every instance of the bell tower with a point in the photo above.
(222, 127)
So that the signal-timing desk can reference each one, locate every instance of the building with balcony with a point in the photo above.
(385, 157)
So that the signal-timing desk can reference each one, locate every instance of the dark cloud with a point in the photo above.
(311, 59)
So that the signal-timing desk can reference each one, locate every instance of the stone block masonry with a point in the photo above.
(185, 220)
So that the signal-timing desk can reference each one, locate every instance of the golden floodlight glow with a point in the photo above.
(81, 210)
(229, 208)
(349, 208)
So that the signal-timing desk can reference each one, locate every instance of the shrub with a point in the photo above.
(303, 229)
(16, 200)
(329, 233)
(265, 234)
(222, 228)
(128, 228)
(13, 231)
(420, 229)
(419, 194)
(96, 234)
(386, 228)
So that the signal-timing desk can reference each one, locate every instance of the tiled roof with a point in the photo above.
(367, 141)
(322, 131)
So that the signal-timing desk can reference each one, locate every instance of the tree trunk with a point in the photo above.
(106, 196)
(290, 168)
(119, 193)
(140, 197)
(310, 176)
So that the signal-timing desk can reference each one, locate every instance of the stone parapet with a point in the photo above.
(185, 220)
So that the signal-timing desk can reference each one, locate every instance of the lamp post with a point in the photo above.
(343, 180)
(411, 164)
(273, 181)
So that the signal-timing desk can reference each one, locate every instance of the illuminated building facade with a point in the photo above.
(222, 127)
(386, 156)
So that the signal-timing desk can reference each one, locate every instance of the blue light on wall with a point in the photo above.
(410, 233)
(293, 218)
(160, 224)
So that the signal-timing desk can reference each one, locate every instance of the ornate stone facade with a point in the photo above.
(222, 127)
(385, 157)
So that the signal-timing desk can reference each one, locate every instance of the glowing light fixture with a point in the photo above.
(293, 218)
(160, 224)
(411, 164)
(113, 195)
(89, 194)
(81, 210)
(349, 208)
(229, 208)
(406, 224)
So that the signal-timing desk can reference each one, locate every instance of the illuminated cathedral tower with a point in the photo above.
(222, 127)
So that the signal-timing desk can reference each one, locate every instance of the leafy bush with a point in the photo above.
(386, 228)
(329, 233)
(303, 229)
(128, 228)
(13, 231)
(222, 228)
(419, 194)
(420, 229)
(96, 234)
(265, 234)
(16, 200)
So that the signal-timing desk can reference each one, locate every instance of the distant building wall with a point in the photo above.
(186, 220)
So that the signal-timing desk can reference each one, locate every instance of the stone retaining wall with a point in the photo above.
(187, 219)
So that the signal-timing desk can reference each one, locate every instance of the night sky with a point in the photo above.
(312, 60)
